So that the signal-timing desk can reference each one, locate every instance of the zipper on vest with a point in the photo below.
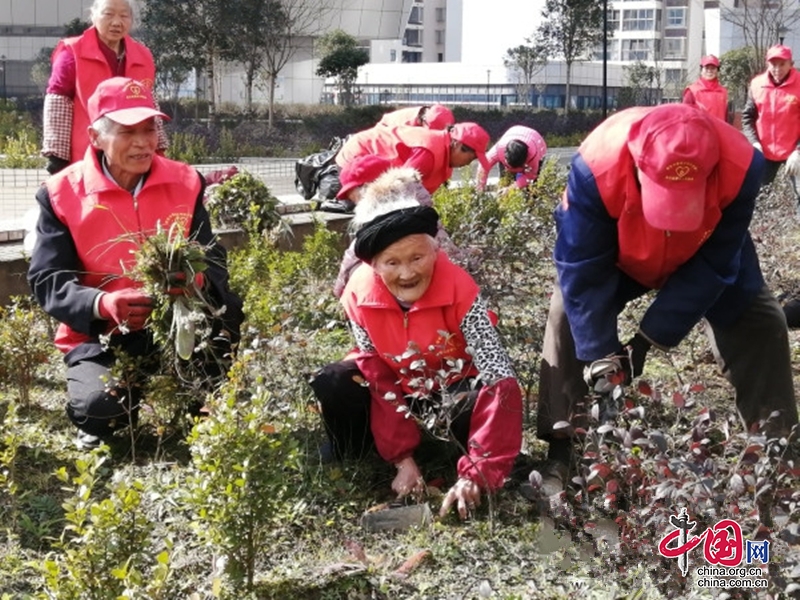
(405, 319)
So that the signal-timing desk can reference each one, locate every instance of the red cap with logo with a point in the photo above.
(438, 116)
(361, 171)
(675, 148)
(709, 60)
(474, 136)
(779, 52)
(123, 100)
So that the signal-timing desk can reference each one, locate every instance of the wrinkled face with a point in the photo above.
(709, 72)
(461, 155)
(779, 68)
(406, 267)
(114, 21)
(129, 149)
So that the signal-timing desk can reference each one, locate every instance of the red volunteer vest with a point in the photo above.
(432, 324)
(108, 224)
(402, 117)
(395, 145)
(647, 254)
(778, 123)
(711, 97)
(91, 68)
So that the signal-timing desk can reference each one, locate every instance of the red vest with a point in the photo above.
(778, 123)
(647, 254)
(395, 145)
(107, 224)
(711, 97)
(432, 324)
(407, 117)
(91, 68)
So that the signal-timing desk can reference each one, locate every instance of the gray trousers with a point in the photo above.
(753, 354)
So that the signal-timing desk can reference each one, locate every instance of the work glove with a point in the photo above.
(793, 163)
(757, 146)
(55, 164)
(128, 307)
(177, 286)
(636, 350)
(604, 374)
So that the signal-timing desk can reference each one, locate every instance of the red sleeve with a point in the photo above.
(62, 77)
(396, 433)
(688, 97)
(495, 435)
(422, 160)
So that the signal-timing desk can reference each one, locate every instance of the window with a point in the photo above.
(440, 57)
(644, 19)
(392, 55)
(413, 37)
(613, 20)
(674, 48)
(416, 16)
(439, 37)
(673, 76)
(440, 15)
(639, 49)
(676, 17)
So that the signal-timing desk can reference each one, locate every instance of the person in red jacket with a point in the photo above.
(436, 116)
(707, 93)
(427, 354)
(79, 64)
(93, 215)
(433, 154)
(659, 200)
(771, 117)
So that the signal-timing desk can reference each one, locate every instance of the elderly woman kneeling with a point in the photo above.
(426, 351)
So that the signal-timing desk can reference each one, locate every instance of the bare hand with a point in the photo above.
(466, 494)
(409, 479)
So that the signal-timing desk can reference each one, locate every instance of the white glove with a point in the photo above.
(793, 163)
(757, 146)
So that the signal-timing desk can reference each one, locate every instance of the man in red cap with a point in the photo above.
(436, 116)
(94, 215)
(434, 154)
(660, 198)
(707, 93)
(771, 117)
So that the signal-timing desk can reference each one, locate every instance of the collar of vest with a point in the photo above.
(371, 292)
(96, 182)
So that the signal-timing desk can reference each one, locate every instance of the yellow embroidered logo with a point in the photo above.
(134, 91)
(680, 171)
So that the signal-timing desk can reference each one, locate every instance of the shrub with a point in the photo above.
(243, 202)
(22, 151)
(187, 147)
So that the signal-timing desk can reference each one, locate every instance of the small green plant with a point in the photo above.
(10, 441)
(24, 345)
(22, 152)
(243, 202)
(188, 147)
(244, 467)
(106, 548)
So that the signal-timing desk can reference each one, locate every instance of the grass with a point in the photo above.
(264, 436)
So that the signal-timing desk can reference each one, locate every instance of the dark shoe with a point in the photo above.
(87, 441)
(792, 311)
(338, 206)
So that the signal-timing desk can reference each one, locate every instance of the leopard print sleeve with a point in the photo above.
(484, 343)
(362, 338)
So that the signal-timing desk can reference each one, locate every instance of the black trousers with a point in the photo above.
(344, 403)
(100, 403)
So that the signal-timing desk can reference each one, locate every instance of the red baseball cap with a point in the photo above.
(123, 100)
(474, 136)
(438, 116)
(779, 52)
(360, 171)
(676, 148)
(709, 60)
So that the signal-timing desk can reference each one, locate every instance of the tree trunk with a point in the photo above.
(210, 91)
(248, 88)
(271, 102)
(567, 98)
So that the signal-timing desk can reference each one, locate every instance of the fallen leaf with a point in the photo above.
(412, 563)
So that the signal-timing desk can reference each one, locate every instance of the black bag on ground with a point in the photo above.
(309, 170)
(328, 182)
